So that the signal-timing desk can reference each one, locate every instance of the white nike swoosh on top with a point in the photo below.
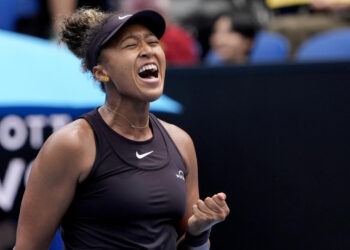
(140, 156)
(122, 17)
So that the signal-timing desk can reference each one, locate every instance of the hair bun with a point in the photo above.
(75, 29)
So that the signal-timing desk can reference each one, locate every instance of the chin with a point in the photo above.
(152, 98)
(153, 94)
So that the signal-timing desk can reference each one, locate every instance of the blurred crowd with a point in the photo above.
(210, 32)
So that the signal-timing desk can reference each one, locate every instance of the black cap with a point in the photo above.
(151, 19)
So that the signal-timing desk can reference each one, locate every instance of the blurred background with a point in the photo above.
(262, 86)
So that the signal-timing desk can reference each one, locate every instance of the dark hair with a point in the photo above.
(78, 31)
(243, 22)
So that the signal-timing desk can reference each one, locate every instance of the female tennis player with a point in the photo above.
(118, 177)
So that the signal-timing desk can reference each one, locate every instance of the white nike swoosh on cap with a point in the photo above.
(122, 17)
(140, 156)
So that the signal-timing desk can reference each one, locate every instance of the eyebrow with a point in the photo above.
(148, 34)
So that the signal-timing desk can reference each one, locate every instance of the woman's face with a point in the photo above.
(231, 46)
(135, 63)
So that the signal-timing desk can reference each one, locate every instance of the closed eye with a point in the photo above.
(130, 45)
(154, 42)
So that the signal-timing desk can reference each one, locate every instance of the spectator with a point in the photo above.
(231, 40)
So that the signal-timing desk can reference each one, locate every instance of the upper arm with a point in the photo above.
(186, 147)
(62, 162)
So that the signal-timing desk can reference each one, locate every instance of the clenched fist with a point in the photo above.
(207, 213)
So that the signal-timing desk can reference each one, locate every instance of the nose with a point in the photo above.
(146, 50)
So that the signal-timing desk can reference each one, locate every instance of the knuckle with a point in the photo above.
(208, 217)
(221, 217)
(226, 210)
(207, 199)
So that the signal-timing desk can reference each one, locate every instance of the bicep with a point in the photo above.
(50, 189)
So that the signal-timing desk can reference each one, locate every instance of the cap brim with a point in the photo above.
(151, 19)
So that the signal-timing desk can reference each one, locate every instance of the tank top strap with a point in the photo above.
(173, 149)
(101, 146)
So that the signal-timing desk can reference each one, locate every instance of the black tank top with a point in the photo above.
(134, 195)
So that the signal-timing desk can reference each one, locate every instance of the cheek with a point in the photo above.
(122, 77)
(163, 54)
(162, 60)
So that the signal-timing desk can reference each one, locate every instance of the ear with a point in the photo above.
(100, 74)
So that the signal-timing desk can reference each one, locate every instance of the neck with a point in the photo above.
(142, 124)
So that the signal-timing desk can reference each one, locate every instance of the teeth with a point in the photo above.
(148, 67)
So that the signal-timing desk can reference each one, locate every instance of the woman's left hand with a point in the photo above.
(207, 213)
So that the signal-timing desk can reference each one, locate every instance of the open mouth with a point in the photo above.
(149, 71)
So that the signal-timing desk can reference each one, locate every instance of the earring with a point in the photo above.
(106, 79)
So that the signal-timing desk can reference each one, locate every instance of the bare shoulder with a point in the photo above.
(179, 136)
(183, 142)
(73, 135)
(72, 145)
(72, 138)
